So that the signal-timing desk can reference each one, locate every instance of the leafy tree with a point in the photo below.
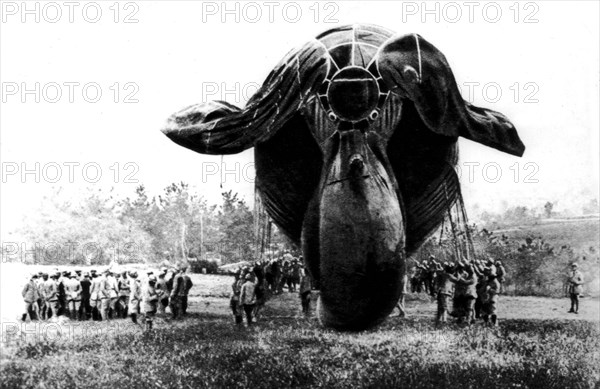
(88, 231)
(236, 223)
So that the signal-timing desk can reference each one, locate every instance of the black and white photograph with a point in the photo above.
(299, 194)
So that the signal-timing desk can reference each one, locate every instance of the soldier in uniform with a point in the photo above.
(123, 300)
(85, 309)
(492, 290)
(248, 297)
(149, 302)
(135, 294)
(113, 292)
(468, 290)
(62, 294)
(30, 296)
(42, 299)
(575, 287)
(51, 294)
(73, 295)
(501, 275)
(403, 291)
(234, 302)
(431, 268)
(188, 286)
(95, 295)
(445, 290)
(178, 291)
(105, 295)
(480, 271)
(163, 291)
(305, 291)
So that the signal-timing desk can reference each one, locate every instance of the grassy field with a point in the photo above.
(579, 234)
(538, 345)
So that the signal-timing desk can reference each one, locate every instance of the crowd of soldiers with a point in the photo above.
(465, 290)
(252, 285)
(107, 295)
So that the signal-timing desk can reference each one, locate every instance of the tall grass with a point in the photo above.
(208, 351)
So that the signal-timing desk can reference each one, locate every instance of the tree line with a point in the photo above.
(100, 228)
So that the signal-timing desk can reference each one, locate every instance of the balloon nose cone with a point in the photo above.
(357, 164)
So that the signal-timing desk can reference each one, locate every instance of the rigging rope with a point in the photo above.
(262, 228)
(462, 240)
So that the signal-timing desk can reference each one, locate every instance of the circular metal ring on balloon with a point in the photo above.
(332, 116)
(374, 114)
(353, 93)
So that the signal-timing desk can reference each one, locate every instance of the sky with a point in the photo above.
(86, 87)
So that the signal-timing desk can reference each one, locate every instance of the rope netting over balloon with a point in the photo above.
(452, 241)
(262, 229)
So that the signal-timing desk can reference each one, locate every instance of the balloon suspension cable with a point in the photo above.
(462, 237)
(220, 169)
(269, 226)
(257, 229)
(468, 234)
(262, 228)
(453, 227)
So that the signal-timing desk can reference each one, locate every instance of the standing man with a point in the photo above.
(188, 286)
(124, 291)
(135, 294)
(445, 290)
(403, 291)
(177, 293)
(305, 291)
(234, 302)
(149, 302)
(163, 291)
(85, 309)
(42, 296)
(73, 295)
(62, 294)
(30, 296)
(492, 290)
(51, 295)
(248, 297)
(575, 287)
(113, 292)
(96, 296)
(466, 288)
(105, 294)
(501, 275)
(295, 274)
